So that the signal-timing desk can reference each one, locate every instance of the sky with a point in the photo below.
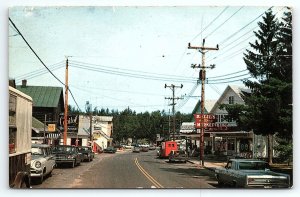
(100, 41)
(122, 57)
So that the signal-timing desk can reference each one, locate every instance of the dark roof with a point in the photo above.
(43, 96)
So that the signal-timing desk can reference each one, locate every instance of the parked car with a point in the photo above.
(67, 154)
(136, 149)
(42, 161)
(152, 147)
(251, 173)
(110, 149)
(87, 153)
(178, 155)
(144, 149)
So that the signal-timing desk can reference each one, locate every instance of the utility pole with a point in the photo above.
(88, 108)
(66, 106)
(169, 123)
(172, 87)
(202, 76)
(44, 140)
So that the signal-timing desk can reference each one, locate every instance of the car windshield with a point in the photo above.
(36, 151)
(253, 166)
(62, 149)
(84, 149)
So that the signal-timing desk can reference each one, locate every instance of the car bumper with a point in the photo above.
(36, 172)
(59, 161)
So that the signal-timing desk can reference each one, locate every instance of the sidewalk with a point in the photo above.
(208, 164)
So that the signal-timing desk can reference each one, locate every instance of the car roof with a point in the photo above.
(40, 146)
(247, 160)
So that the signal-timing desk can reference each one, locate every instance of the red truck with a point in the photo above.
(166, 148)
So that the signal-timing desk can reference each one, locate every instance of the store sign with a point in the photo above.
(51, 127)
(208, 122)
(72, 123)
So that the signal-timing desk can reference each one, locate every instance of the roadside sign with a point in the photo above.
(51, 127)
(208, 122)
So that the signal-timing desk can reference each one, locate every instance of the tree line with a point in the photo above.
(144, 125)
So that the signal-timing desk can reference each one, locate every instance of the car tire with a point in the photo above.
(41, 179)
(73, 164)
(50, 173)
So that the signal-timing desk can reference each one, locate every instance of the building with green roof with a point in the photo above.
(47, 101)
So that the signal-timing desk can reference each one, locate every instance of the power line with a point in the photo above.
(35, 52)
(228, 74)
(125, 74)
(238, 44)
(222, 79)
(229, 81)
(39, 71)
(210, 23)
(223, 22)
(41, 60)
(133, 75)
(125, 91)
(129, 70)
(235, 33)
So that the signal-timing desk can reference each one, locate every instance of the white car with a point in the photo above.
(42, 161)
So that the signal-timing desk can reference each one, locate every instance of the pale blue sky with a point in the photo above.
(182, 66)
(146, 39)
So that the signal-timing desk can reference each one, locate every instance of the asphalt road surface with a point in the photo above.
(130, 170)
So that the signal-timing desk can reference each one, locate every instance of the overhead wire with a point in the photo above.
(39, 72)
(239, 30)
(126, 70)
(41, 60)
(223, 22)
(210, 23)
(127, 74)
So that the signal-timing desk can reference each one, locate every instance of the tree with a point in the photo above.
(267, 108)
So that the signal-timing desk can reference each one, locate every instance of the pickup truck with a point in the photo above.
(250, 173)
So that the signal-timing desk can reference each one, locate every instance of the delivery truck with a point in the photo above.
(20, 126)
(166, 148)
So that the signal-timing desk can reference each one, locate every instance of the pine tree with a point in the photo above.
(267, 108)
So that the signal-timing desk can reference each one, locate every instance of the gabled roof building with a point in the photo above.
(47, 101)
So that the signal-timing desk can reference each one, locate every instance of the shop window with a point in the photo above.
(12, 124)
(230, 145)
(12, 140)
(231, 99)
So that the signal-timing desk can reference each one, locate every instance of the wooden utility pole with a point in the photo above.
(202, 77)
(66, 106)
(172, 86)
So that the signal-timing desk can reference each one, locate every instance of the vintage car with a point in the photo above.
(42, 161)
(86, 152)
(178, 156)
(136, 149)
(110, 149)
(152, 147)
(144, 149)
(67, 154)
(250, 173)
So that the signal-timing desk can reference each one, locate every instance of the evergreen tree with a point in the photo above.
(267, 108)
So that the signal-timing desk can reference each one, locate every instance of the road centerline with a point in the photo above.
(147, 175)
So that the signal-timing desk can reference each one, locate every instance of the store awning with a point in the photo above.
(53, 135)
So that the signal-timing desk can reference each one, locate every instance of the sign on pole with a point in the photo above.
(51, 127)
(208, 122)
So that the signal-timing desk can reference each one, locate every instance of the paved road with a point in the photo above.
(130, 170)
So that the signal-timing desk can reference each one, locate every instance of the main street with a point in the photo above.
(130, 170)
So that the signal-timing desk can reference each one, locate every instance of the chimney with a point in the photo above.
(24, 83)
